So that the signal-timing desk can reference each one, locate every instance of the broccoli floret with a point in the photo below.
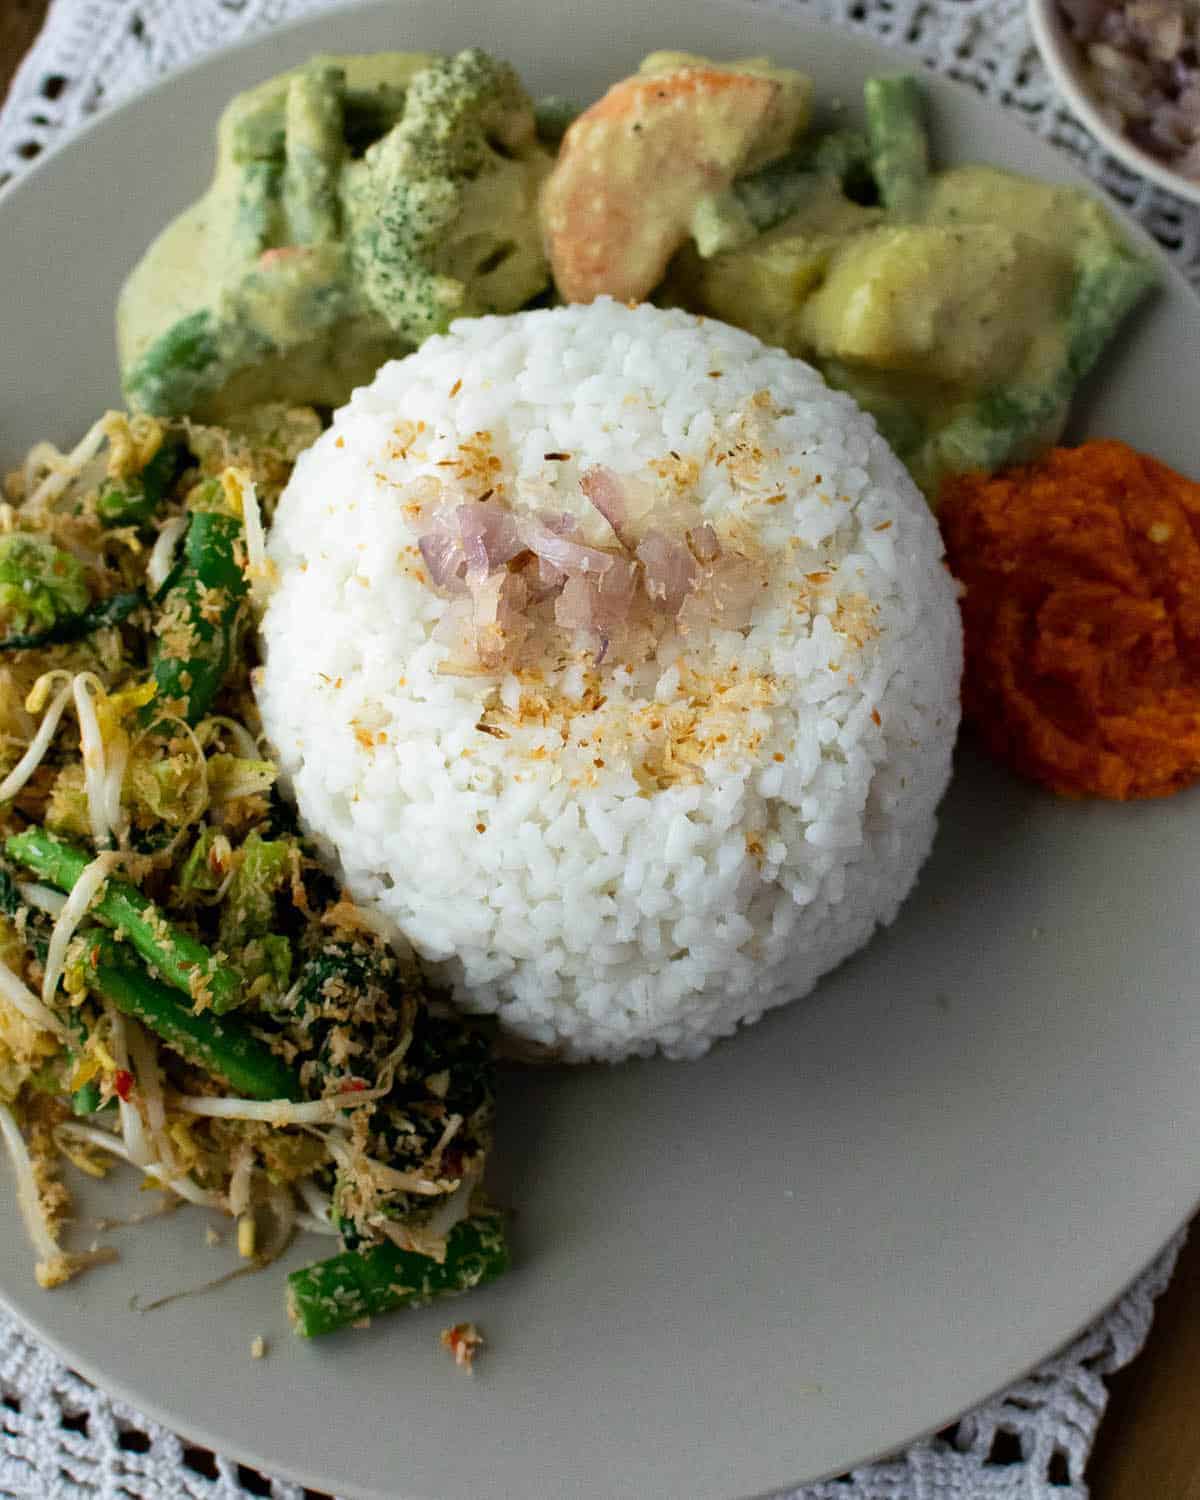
(40, 585)
(359, 203)
(448, 197)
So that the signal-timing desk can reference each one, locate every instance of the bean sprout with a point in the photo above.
(104, 1140)
(162, 554)
(29, 1199)
(65, 466)
(20, 997)
(75, 908)
(38, 746)
(132, 1130)
(94, 767)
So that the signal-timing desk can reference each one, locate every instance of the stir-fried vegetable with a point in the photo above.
(347, 1288)
(186, 963)
(199, 616)
(134, 501)
(224, 1048)
(181, 985)
(41, 586)
(899, 149)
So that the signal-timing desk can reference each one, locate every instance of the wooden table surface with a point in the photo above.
(1149, 1444)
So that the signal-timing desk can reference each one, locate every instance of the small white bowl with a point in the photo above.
(1062, 58)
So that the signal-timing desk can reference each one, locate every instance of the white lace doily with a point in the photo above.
(65, 1440)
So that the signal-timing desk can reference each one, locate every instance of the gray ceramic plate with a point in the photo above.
(841, 1228)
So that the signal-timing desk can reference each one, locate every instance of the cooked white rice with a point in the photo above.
(597, 908)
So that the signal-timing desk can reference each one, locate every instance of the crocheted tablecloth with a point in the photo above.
(62, 1438)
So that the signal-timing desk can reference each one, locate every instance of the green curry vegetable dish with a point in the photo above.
(961, 307)
(358, 204)
(182, 986)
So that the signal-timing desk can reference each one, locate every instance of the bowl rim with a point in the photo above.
(1061, 58)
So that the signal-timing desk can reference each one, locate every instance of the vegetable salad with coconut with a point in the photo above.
(182, 986)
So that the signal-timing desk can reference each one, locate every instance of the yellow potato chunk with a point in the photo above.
(962, 302)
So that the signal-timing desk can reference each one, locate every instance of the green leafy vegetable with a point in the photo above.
(360, 1284)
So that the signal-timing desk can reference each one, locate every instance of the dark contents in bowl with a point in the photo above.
(1142, 65)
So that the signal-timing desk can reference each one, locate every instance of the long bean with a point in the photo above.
(182, 960)
(315, 153)
(223, 1047)
(199, 618)
(361, 1284)
(899, 146)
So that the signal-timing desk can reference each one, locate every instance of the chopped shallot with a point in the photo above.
(560, 551)
(603, 489)
(670, 569)
(489, 535)
(499, 566)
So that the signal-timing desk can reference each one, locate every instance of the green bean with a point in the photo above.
(777, 190)
(256, 220)
(1013, 424)
(899, 146)
(199, 618)
(315, 152)
(1109, 283)
(223, 1047)
(180, 959)
(364, 1283)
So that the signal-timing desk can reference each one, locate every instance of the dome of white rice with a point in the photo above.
(640, 852)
